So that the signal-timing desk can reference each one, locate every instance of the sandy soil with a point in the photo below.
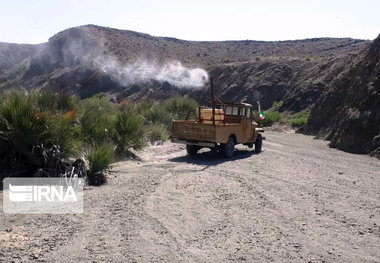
(298, 201)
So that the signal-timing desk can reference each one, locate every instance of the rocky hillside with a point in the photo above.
(348, 113)
(337, 79)
(295, 81)
(78, 60)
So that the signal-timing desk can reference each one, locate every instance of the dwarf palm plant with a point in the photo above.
(158, 115)
(97, 120)
(21, 129)
(61, 132)
(181, 108)
(50, 101)
(98, 159)
(158, 132)
(129, 131)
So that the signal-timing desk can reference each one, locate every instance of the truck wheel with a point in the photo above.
(228, 148)
(192, 150)
(258, 143)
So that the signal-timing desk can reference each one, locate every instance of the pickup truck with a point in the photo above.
(219, 127)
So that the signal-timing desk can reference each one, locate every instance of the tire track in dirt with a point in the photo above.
(297, 201)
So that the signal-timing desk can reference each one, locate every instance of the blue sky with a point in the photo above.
(34, 21)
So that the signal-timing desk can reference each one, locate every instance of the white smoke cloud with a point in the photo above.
(143, 71)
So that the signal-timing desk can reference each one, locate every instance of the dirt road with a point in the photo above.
(298, 201)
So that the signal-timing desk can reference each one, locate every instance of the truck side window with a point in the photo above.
(242, 111)
(235, 111)
(249, 113)
(228, 110)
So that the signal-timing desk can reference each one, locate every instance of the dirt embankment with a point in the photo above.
(298, 201)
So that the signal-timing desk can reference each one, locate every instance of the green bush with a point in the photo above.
(144, 106)
(153, 113)
(99, 95)
(298, 122)
(129, 131)
(271, 117)
(299, 119)
(50, 101)
(97, 120)
(33, 137)
(62, 133)
(99, 158)
(44, 100)
(158, 132)
(21, 130)
(41, 132)
(300, 114)
(158, 115)
(276, 105)
(66, 102)
(181, 108)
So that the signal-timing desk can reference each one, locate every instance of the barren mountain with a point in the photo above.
(77, 60)
(335, 78)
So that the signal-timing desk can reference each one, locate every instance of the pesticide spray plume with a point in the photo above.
(82, 50)
(143, 71)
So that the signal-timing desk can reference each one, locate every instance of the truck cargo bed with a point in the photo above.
(196, 131)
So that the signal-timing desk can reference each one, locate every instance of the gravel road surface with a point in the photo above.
(297, 201)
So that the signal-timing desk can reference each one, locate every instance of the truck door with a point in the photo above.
(243, 113)
(249, 133)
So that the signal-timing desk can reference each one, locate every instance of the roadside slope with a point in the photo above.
(349, 112)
